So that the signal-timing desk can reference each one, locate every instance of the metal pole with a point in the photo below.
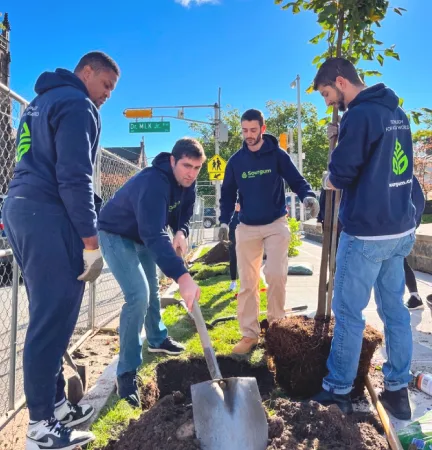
(13, 335)
(299, 141)
(291, 146)
(217, 124)
(91, 322)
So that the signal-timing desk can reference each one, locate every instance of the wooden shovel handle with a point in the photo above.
(390, 432)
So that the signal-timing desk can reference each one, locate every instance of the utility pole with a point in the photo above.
(217, 136)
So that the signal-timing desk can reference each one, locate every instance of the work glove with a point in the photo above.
(93, 265)
(223, 232)
(332, 130)
(325, 179)
(312, 203)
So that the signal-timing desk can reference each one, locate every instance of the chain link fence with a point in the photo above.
(102, 300)
(207, 191)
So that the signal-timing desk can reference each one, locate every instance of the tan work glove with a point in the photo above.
(93, 265)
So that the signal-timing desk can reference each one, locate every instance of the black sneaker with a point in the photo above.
(168, 346)
(397, 403)
(414, 303)
(51, 434)
(70, 415)
(128, 388)
(343, 401)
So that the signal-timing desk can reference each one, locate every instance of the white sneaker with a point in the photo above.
(70, 415)
(233, 285)
(51, 434)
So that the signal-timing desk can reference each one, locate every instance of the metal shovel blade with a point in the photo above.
(228, 415)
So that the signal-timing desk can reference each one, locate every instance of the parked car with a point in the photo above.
(209, 219)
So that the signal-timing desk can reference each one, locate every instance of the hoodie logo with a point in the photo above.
(24, 142)
(256, 173)
(171, 208)
(400, 160)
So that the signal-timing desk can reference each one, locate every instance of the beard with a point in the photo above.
(340, 100)
(251, 142)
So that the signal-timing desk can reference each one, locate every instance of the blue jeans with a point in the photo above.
(361, 265)
(135, 271)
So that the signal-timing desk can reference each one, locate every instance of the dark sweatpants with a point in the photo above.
(49, 252)
(232, 253)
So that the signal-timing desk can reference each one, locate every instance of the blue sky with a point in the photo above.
(179, 52)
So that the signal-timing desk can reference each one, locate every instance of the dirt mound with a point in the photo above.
(300, 346)
(295, 426)
(219, 253)
(310, 426)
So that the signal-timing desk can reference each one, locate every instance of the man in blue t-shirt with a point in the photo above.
(373, 164)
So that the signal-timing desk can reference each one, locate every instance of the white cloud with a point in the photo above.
(188, 3)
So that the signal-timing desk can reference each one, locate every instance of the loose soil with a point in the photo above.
(299, 348)
(219, 253)
(168, 425)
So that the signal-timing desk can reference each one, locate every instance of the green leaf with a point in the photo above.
(397, 11)
(402, 9)
(380, 59)
(377, 24)
(317, 38)
(401, 101)
(372, 73)
(329, 110)
(428, 110)
(324, 121)
(416, 117)
(296, 9)
(316, 60)
(278, 2)
(310, 89)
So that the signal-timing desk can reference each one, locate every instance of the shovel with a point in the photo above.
(77, 383)
(228, 412)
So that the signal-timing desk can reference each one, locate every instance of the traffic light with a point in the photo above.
(138, 113)
(283, 141)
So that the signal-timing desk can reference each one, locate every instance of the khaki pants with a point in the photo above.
(251, 242)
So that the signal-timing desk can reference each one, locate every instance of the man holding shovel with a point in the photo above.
(373, 164)
(133, 234)
(50, 220)
(257, 172)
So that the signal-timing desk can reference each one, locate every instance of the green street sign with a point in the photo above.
(149, 127)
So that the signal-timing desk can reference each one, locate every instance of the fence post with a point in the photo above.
(91, 322)
(13, 335)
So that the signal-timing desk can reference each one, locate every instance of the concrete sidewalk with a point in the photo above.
(303, 290)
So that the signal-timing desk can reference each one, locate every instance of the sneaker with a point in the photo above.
(128, 388)
(168, 346)
(414, 303)
(51, 434)
(246, 345)
(70, 415)
(343, 401)
(429, 301)
(233, 286)
(397, 403)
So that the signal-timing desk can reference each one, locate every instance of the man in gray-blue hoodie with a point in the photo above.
(50, 220)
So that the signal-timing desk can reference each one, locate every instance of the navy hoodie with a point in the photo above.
(373, 164)
(57, 141)
(145, 206)
(258, 178)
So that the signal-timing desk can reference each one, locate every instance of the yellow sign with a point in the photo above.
(216, 176)
(283, 141)
(216, 165)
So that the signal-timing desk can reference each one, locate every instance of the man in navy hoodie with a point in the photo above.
(134, 239)
(257, 171)
(373, 164)
(50, 221)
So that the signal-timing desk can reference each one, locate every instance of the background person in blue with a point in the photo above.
(133, 233)
(50, 220)
(257, 172)
(373, 164)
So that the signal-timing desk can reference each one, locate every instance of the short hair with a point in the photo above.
(333, 68)
(98, 61)
(253, 114)
(189, 148)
